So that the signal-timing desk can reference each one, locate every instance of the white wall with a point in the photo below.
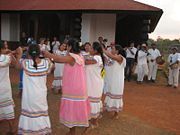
(86, 26)
(15, 27)
(5, 27)
(95, 25)
(10, 27)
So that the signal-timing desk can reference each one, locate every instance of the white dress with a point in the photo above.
(43, 47)
(95, 86)
(58, 72)
(85, 54)
(34, 117)
(55, 45)
(108, 63)
(114, 94)
(6, 101)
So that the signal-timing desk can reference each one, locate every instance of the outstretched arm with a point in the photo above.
(59, 59)
(118, 58)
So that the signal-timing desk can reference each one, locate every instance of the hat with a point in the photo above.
(143, 45)
(174, 48)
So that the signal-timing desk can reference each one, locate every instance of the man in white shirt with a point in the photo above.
(153, 66)
(55, 45)
(173, 60)
(130, 58)
(142, 67)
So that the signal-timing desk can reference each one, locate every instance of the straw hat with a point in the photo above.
(143, 45)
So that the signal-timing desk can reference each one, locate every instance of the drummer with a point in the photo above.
(173, 60)
(153, 66)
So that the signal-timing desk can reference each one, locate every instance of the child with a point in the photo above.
(34, 117)
(6, 101)
(75, 107)
(95, 81)
(59, 67)
(114, 94)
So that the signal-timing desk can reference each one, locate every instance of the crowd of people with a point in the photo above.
(144, 62)
(90, 79)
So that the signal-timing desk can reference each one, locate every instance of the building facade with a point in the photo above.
(119, 21)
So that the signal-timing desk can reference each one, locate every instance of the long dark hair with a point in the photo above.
(1, 46)
(97, 47)
(34, 52)
(74, 44)
(120, 50)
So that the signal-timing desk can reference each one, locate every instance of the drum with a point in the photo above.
(175, 66)
(160, 60)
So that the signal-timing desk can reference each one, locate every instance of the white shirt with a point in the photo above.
(173, 58)
(55, 45)
(178, 56)
(142, 57)
(153, 54)
(61, 53)
(129, 54)
(48, 47)
(43, 47)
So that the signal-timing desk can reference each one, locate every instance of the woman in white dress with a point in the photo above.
(114, 94)
(94, 80)
(34, 118)
(6, 100)
(59, 67)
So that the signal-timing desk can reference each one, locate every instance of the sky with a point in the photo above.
(169, 24)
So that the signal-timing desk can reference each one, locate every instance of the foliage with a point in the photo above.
(163, 44)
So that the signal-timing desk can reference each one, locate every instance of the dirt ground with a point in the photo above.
(149, 109)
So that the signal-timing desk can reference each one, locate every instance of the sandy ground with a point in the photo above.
(149, 109)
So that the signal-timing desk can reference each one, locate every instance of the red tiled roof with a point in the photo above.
(21, 5)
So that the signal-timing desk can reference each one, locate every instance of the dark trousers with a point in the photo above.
(129, 66)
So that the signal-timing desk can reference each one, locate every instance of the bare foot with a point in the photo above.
(116, 115)
(87, 129)
(72, 131)
(94, 126)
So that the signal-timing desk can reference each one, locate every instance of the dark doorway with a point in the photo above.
(40, 25)
(48, 25)
(129, 28)
(31, 28)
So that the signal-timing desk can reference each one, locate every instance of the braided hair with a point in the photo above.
(120, 50)
(1, 46)
(34, 52)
